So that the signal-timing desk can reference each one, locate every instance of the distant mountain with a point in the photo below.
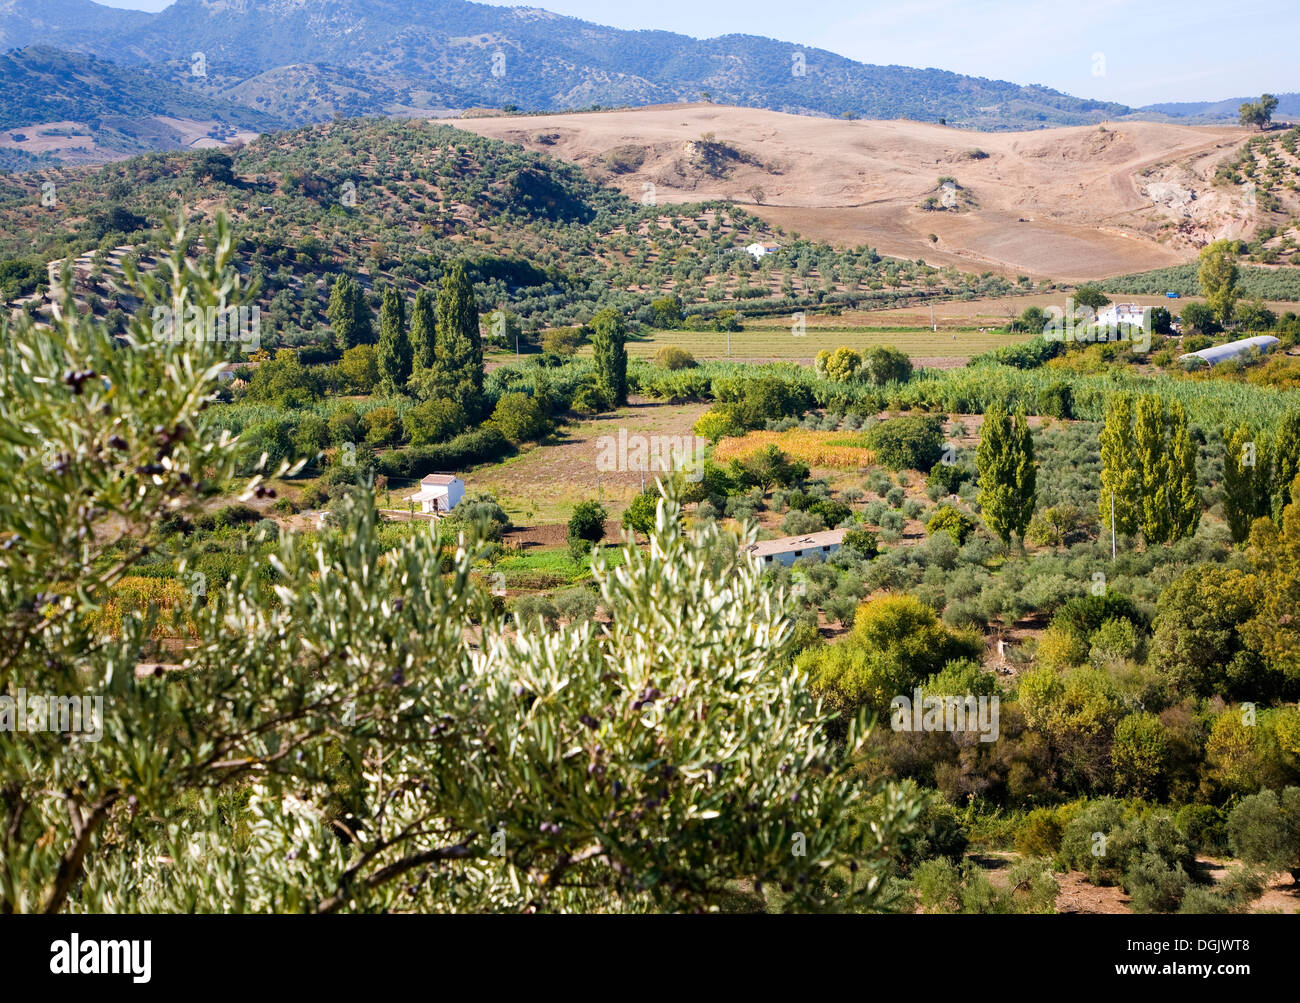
(67, 24)
(417, 56)
(68, 107)
(1288, 107)
(303, 61)
(40, 84)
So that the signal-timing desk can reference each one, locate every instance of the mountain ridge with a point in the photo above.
(293, 62)
(539, 60)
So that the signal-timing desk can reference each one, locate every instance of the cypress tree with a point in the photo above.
(459, 345)
(348, 314)
(394, 355)
(1008, 473)
(362, 317)
(609, 352)
(424, 330)
(1121, 477)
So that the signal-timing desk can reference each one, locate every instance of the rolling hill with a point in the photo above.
(393, 201)
(1070, 204)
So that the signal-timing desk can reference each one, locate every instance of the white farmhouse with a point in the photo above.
(761, 250)
(1122, 313)
(789, 549)
(439, 493)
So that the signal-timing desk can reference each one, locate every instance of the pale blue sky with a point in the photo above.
(1151, 50)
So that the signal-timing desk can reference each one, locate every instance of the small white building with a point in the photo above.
(789, 549)
(236, 371)
(761, 250)
(1122, 313)
(439, 493)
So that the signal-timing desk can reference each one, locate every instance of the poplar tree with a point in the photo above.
(1149, 468)
(609, 351)
(394, 356)
(1157, 469)
(1121, 476)
(1275, 553)
(424, 330)
(1185, 505)
(1247, 480)
(1286, 462)
(1008, 473)
(1218, 274)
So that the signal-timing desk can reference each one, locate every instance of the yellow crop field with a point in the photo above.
(134, 595)
(838, 450)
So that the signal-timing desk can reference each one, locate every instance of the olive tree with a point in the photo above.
(354, 726)
(1264, 829)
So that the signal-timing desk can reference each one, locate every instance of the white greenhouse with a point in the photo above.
(1215, 354)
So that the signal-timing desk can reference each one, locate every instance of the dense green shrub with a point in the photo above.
(1198, 640)
(939, 833)
(672, 357)
(1039, 835)
(952, 521)
(1156, 885)
(1056, 401)
(227, 516)
(861, 541)
(751, 403)
(1083, 616)
(479, 513)
(941, 886)
(434, 420)
(1110, 841)
(907, 443)
(586, 527)
(884, 364)
(1204, 827)
(896, 642)
(479, 445)
(946, 479)
(520, 417)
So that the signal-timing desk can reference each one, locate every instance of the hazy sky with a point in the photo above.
(1134, 51)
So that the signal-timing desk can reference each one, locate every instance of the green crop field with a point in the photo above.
(1277, 285)
(779, 343)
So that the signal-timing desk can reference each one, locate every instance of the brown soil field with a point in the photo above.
(540, 486)
(1071, 204)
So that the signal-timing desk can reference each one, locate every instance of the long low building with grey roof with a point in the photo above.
(789, 549)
